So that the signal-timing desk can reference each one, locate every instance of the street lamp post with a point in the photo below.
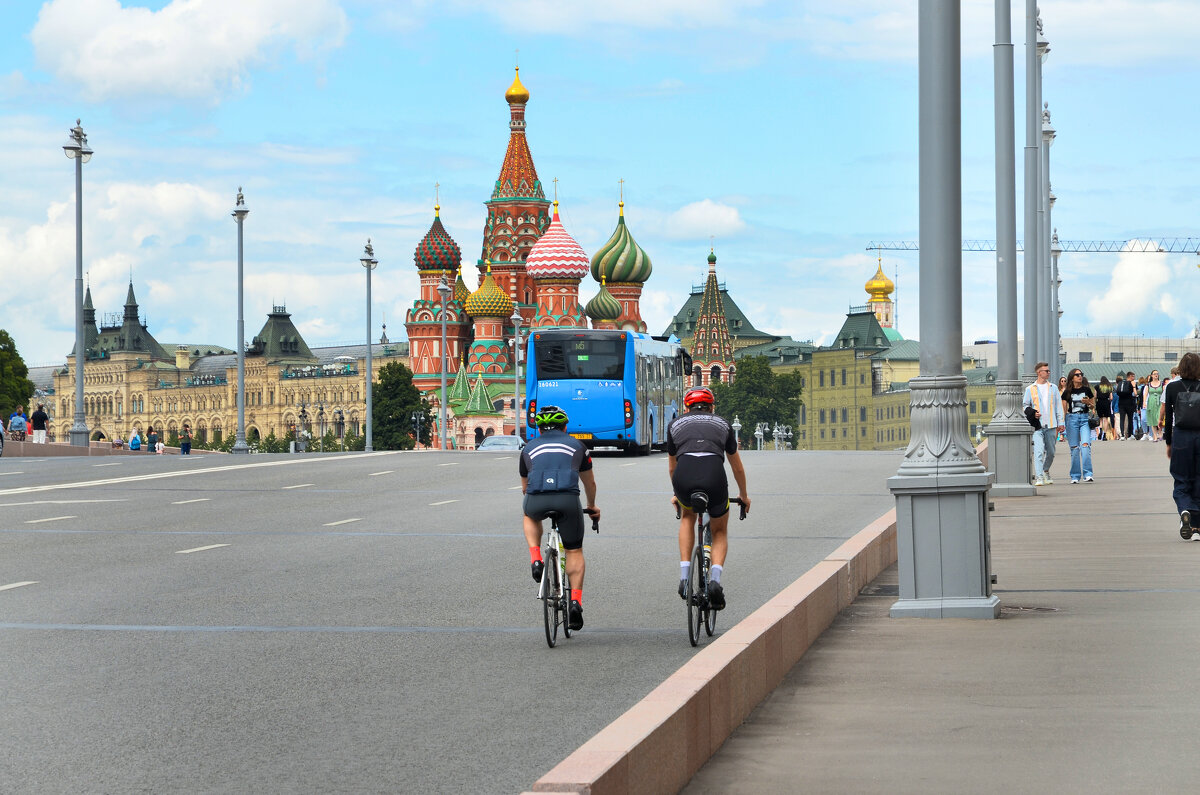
(760, 430)
(240, 211)
(444, 292)
(516, 321)
(737, 428)
(369, 262)
(339, 423)
(77, 149)
(1032, 304)
(416, 422)
(301, 440)
(321, 424)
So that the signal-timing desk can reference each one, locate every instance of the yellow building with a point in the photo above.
(131, 382)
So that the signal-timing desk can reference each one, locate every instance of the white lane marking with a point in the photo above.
(114, 464)
(443, 502)
(384, 472)
(56, 502)
(343, 521)
(451, 464)
(199, 549)
(299, 485)
(187, 473)
(50, 519)
(12, 585)
(189, 502)
(629, 465)
(503, 458)
(511, 488)
(12, 473)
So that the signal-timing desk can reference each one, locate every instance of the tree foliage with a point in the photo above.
(15, 387)
(759, 394)
(394, 400)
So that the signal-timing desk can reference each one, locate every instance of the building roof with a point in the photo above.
(279, 340)
(683, 325)
(489, 300)
(603, 305)
(621, 259)
(711, 341)
(556, 254)
(902, 351)
(860, 330)
(780, 350)
(437, 251)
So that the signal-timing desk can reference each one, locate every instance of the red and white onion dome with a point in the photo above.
(556, 255)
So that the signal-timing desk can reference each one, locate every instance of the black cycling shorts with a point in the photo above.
(702, 473)
(570, 526)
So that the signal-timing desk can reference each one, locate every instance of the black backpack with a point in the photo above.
(1187, 410)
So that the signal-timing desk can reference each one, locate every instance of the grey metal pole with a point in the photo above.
(1030, 258)
(941, 486)
(78, 150)
(240, 211)
(1043, 238)
(369, 262)
(1047, 287)
(516, 321)
(1055, 281)
(1008, 432)
(444, 291)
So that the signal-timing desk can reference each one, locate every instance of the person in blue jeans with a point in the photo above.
(1078, 399)
(1043, 409)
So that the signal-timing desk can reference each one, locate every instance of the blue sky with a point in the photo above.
(785, 130)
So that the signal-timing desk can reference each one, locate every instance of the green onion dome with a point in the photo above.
(437, 251)
(489, 300)
(460, 287)
(621, 259)
(603, 306)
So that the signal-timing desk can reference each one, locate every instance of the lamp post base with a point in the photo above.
(240, 448)
(1009, 440)
(80, 436)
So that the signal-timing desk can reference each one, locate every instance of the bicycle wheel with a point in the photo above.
(550, 597)
(710, 615)
(695, 591)
(564, 605)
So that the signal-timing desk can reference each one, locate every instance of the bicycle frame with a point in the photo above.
(554, 547)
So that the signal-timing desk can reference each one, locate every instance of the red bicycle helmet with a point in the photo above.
(700, 394)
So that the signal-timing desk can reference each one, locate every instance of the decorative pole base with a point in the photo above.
(240, 447)
(941, 493)
(80, 435)
(1009, 439)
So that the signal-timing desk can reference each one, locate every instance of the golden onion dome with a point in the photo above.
(489, 300)
(517, 93)
(880, 287)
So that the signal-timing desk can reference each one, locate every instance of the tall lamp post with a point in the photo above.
(77, 149)
(444, 292)
(321, 424)
(240, 211)
(516, 321)
(737, 428)
(369, 262)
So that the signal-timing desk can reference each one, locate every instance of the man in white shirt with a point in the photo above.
(1044, 404)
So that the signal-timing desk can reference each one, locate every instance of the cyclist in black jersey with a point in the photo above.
(552, 467)
(697, 444)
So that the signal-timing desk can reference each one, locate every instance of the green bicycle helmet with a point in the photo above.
(550, 415)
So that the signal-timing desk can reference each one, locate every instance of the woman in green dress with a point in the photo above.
(1152, 400)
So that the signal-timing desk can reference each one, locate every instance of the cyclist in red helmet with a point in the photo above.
(697, 444)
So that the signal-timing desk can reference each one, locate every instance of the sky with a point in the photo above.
(783, 132)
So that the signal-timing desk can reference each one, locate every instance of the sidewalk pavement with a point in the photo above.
(1089, 682)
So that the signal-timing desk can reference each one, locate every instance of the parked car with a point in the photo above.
(497, 443)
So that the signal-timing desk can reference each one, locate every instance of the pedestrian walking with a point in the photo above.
(152, 440)
(1043, 409)
(18, 423)
(39, 421)
(1126, 392)
(1152, 400)
(185, 440)
(1078, 400)
(1181, 432)
(1104, 407)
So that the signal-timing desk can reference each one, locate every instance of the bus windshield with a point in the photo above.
(575, 358)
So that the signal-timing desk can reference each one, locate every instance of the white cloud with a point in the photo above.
(1135, 288)
(700, 219)
(190, 49)
(555, 16)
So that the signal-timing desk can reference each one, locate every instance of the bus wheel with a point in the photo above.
(643, 449)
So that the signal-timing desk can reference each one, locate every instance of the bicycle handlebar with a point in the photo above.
(595, 521)
(736, 500)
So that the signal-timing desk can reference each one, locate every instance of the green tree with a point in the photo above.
(759, 394)
(15, 386)
(394, 400)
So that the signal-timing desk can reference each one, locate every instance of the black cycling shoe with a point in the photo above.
(716, 596)
(1185, 525)
(537, 568)
(575, 615)
(683, 589)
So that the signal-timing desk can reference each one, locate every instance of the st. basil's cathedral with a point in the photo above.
(529, 264)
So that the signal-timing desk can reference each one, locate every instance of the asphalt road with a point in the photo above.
(367, 624)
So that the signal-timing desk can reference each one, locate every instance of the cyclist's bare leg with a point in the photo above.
(575, 567)
(533, 532)
(687, 534)
(720, 534)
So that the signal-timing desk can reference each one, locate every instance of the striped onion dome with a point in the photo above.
(437, 251)
(603, 306)
(460, 287)
(489, 300)
(621, 259)
(556, 254)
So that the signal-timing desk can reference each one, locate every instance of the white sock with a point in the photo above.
(685, 568)
(714, 573)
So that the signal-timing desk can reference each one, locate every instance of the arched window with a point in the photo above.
(715, 374)
(696, 376)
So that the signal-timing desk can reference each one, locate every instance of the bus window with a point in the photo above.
(580, 359)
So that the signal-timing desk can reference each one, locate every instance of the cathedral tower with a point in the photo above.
(712, 347)
(557, 263)
(437, 257)
(625, 267)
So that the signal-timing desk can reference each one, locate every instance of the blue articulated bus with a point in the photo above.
(620, 388)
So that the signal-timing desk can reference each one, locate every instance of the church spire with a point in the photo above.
(712, 346)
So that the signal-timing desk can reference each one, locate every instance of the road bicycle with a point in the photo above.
(696, 593)
(555, 588)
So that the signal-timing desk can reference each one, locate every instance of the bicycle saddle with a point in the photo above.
(699, 500)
